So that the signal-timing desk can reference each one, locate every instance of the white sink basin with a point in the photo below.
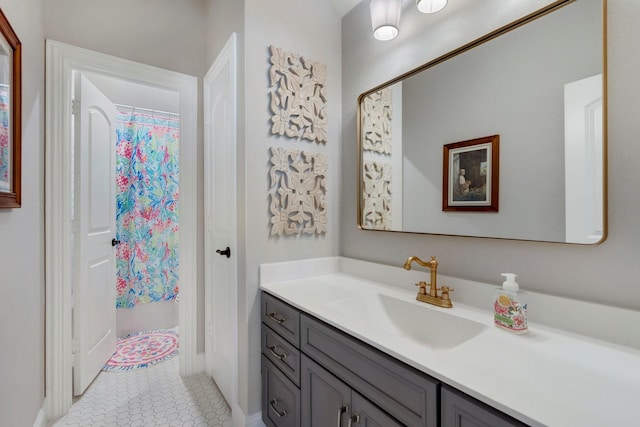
(430, 327)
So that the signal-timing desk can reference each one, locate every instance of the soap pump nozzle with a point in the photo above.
(510, 282)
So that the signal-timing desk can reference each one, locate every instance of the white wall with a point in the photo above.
(22, 238)
(146, 317)
(136, 95)
(605, 273)
(310, 28)
(162, 33)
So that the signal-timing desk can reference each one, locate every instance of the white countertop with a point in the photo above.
(545, 377)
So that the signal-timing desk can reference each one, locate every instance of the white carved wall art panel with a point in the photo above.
(376, 121)
(298, 96)
(376, 206)
(298, 192)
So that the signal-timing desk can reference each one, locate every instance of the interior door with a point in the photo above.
(584, 181)
(94, 289)
(220, 214)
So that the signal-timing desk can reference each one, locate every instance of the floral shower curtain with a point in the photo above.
(147, 171)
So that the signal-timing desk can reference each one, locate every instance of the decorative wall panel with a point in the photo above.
(298, 96)
(376, 196)
(298, 192)
(376, 121)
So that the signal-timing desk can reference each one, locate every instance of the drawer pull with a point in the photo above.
(280, 414)
(274, 316)
(282, 356)
(354, 420)
(341, 411)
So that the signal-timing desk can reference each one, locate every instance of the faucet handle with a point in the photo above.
(423, 287)
(445, 292)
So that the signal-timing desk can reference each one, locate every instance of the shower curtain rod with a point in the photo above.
(131, 107)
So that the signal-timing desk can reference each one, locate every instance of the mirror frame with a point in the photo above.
(12, 198)
(558, 4)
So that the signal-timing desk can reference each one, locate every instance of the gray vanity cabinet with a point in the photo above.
(314, 375)
(408, 395)
(365, 414)
(460, 410)
(280, 363)
(327, 401)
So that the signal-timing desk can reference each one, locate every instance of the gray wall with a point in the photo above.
(605, 273)
(310, 28)
(22, 238)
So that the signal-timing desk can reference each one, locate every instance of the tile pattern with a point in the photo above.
(155, 396)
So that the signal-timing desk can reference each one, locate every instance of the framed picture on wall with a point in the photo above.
(10, 115)
(471, 175)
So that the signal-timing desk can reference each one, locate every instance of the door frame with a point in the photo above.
(227, 58)
(61, 60)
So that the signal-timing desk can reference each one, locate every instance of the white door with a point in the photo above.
(220, 214)
(584, 181)
(94, 289)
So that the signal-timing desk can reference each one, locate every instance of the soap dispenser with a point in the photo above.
(510, 309)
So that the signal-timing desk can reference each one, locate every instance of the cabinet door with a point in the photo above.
(460, 410)
(365, 414)
(280, 398)
(325, 399)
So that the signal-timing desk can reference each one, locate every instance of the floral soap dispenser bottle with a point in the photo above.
(510, 309)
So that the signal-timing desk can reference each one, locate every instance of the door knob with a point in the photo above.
(224, 252)
(115, 242)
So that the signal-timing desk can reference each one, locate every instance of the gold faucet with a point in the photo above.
(432, 297)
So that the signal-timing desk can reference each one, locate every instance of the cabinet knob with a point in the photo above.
(280, 414)
(274, 316)
(272, 349)
(341, 411)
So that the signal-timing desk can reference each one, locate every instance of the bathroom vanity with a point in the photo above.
(345, 350)
(315, 375)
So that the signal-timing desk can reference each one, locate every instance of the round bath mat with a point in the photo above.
(143, 349)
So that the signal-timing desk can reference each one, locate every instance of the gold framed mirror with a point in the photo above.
(10, 115)
(531, 83)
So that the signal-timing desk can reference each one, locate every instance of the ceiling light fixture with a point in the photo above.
(385, 18)
(430, 6)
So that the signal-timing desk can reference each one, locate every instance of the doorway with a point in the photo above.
(125, 217)
(62, 61)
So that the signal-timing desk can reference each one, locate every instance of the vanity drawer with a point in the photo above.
(458, 409)
(282, 354)
(405, 393)
(282, 318)
(280, 398)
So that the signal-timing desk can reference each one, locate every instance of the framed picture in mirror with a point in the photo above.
(10, 115)
(471, 175)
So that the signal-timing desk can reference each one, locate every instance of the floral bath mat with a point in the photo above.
(143, 349)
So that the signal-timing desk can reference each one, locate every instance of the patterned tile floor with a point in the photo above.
(154, 396)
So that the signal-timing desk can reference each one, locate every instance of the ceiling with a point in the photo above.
(344, 6)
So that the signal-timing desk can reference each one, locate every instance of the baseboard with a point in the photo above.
(41, 420)
(254, 420)
(200, 362)
(242, 420)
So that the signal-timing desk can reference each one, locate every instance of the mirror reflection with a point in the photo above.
(5, 116)
(539, 88)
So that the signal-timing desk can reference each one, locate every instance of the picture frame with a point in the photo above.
(471, 175)
(10, 116)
